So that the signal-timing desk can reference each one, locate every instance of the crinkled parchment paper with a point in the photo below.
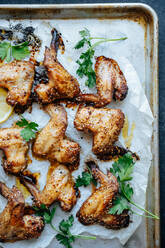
(136, 110)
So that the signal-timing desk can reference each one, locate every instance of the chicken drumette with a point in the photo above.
(61, 84)
(52, 143)
(17, 77)
(59, 187)
(95, 208)
(105, 124)
(14, 148)
(14, 223)
(110, 83)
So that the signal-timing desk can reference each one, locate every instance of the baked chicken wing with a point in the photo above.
(17, 77)
(95, 208)
(61, 84)
(14, 148)
(14, 223)
(52, 143)
(110, 83)
(105, 125)
(59, 187)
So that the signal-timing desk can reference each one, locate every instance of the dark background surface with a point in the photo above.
(159, 6)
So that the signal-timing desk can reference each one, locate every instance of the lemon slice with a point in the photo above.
(5, 109)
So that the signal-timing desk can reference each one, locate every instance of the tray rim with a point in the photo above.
(86, 5)
(155, 105)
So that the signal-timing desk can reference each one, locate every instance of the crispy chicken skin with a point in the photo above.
(104, 123)
(14, 148)
(59, 187)
(110, 83)
(14, 224)
(95, 208)
(17, 77)
(52, 143)
(61, 84)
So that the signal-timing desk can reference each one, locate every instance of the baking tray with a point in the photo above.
(148, 234)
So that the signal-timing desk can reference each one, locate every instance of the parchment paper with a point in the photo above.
(135, 108)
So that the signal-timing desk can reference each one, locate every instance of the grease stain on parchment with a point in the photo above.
(22, 188)
(127, 132)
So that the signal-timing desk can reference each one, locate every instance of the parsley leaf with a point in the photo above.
(27, 133)
(45, 212)
(9, 51)
(127, 190)
(85, 33)
(23, 122)
(85, 60)
(122, 169)
(85, 180)
(66, 224)
(4, 48)
(30, 129)
(120, 204)
(20, 51)
(80, 44)
(65, 240)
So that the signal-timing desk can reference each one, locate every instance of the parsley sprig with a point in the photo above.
(122, 169)
(64, 235)
(9, 51)
(85, 60)
(86, 179)
(29, 130)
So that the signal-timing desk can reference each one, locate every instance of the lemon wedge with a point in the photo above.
(5, 109)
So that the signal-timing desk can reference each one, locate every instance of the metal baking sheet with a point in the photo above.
(146, 65)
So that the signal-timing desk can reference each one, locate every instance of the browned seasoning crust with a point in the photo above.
(105, 125)
(95, 208)
(14, 223)
(115, 221)
(14, 148)
(110, 83)
(61, 84)
(52, 143)
(59, 187)
(17, 77)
